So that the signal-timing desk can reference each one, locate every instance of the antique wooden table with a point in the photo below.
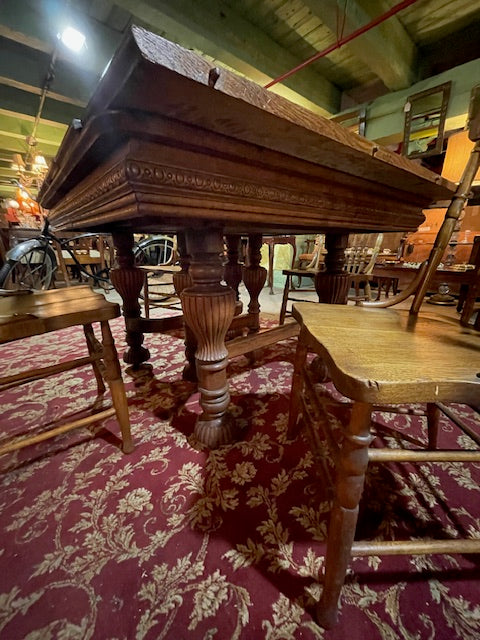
(170, 144)
(454, 278)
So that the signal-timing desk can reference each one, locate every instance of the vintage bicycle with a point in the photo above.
(32, 264)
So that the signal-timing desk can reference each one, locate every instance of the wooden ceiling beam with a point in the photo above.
(386, 49)
(25, 103)
(214, 28)
(27, 69)
(47, 135)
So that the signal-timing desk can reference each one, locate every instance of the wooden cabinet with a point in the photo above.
(419, 243)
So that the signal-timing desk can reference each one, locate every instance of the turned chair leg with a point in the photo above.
(94, 346)
(433, 422)
(297, 389)
(117, 388)
(286, 291)
(351, 467)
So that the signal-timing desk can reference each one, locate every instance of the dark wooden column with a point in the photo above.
(254, 277)
(128, 281)
(332, 284)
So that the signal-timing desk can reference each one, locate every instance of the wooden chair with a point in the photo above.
(157, 258)
(379, 358)
(158, 288)
(359, 262)
(313, 258)
(27, 314)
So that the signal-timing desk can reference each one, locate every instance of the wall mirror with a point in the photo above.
(425, 122)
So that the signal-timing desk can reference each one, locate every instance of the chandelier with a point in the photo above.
(32, 169)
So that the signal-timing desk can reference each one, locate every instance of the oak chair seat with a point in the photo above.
(390, 355)
(28, 314)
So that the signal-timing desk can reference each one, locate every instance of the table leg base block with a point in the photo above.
(136, 356)
(214, 433)
(140, 371)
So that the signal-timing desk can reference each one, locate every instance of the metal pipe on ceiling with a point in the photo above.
(358, 32)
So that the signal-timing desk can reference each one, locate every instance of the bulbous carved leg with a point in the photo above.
(332, 284)
(350, 476)
(128, 281)
(181, 281)
(254, 277)
(209, 307)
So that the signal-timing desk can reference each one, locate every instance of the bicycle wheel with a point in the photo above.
(33, 269)
(159, 250)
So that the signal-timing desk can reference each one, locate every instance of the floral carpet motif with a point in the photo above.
(175, 541)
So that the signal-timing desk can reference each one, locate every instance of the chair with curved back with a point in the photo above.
(379, 359)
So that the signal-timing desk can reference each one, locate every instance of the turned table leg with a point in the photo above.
(208, 307)
(332, 285)
(254, 277)
(128, 281)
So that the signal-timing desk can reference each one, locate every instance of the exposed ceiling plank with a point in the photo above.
(46, 134)
(215, 29)
(69, 84)
(26, 103)
(18, 144)
(386, 49)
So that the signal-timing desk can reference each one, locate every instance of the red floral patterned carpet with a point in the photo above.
(175, 541)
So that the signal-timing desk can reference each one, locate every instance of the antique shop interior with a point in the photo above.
(239, 319)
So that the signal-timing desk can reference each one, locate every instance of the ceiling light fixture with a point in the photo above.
(72, 39)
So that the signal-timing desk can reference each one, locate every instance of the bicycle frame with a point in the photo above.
(43, 244)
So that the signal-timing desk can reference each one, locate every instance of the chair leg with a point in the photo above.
(433, 419)
(286, 291)
(367, 289)
(117, 388)
(296, 390)
(94, 346)
(146, 296)
(351, 467)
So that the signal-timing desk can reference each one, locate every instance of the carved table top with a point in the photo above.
(168, 142)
